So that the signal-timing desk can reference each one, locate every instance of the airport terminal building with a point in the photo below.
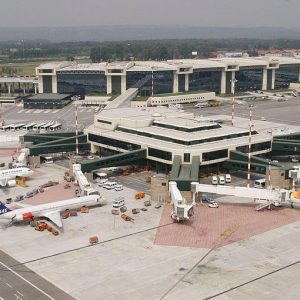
(166, 134)
(171, 76)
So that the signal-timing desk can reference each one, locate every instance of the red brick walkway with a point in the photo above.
(52, 194)
(8, 151)
(226, 224)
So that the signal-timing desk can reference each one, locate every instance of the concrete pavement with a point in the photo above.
(19, 282)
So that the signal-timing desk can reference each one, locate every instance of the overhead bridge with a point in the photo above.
(239, 161)
(55, 142)
(113, 160)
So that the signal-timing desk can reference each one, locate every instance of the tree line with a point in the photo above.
(136, 50)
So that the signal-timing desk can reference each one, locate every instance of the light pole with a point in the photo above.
(233, 82)
(249, 146)
(152, 85)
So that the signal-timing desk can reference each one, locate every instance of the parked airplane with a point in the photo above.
(52, 211)
(8, 176)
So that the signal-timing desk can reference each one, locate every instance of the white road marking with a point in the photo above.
(20, 294)
(81, 110)
(89, 110)
(20, 111)
(55, 111)
(37, 111)
(17, 297)
(46, 111)
(8, 285)
(17, 274)
(28, 111)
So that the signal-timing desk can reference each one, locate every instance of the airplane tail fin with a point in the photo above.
(3, 208)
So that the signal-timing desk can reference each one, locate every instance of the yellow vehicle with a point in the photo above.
(213, 103)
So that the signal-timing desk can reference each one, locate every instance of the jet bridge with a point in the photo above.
(270, 196)
(181, 210)
(84, 184)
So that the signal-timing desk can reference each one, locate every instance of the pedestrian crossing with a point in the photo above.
(48, 111)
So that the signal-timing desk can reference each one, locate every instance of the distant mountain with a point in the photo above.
(139, 32)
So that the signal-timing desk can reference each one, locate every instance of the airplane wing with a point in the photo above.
(55, 217)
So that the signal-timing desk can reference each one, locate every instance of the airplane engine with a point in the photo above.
(25, 216)
(11, 183)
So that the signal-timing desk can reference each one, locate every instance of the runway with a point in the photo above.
(20, 283)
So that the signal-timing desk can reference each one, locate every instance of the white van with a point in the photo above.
(201, 105)
(260, 183)
(221, 180)
(118, 203)
(214, 180)
(109, 185)
(119, 187)
(228, 178)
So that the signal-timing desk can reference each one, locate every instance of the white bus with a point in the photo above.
(29, 126)
(5, 128)
(46, 126)
(38, 126)
(15, 127)
(55, 127)
(260, 183)
(47, 159)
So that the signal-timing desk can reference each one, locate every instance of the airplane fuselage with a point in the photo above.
(12, 174)
(31, 212)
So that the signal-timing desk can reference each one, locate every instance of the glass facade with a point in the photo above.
(185, 129)
(285, 75)
(181, 83)
(162, 82)
(116, 84)
(184, 142)
(205, 81)
(207, 156)
(112, 142)
(255, 147)
(81, 83)
(160, 154)
(47, 84)
(140, 80)
(249, 79)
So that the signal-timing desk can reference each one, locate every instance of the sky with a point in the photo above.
(216, 13)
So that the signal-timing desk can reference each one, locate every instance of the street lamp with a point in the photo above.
(233, 82)
(249, 146)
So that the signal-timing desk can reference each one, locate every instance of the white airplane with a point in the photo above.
(52, 211)
(8, 176)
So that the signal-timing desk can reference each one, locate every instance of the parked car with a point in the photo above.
(119, 203)
(19, 198)
(119, 187)
(214, 180)
(213, 205)
(221, 180)
(227, 178)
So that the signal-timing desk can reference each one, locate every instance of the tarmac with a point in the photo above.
(241, 253)
(19, 282)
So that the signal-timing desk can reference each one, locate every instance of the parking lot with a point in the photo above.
(66, 116)
(281, 112)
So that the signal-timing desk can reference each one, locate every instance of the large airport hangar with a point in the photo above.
(47, 101)
(172, 76)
